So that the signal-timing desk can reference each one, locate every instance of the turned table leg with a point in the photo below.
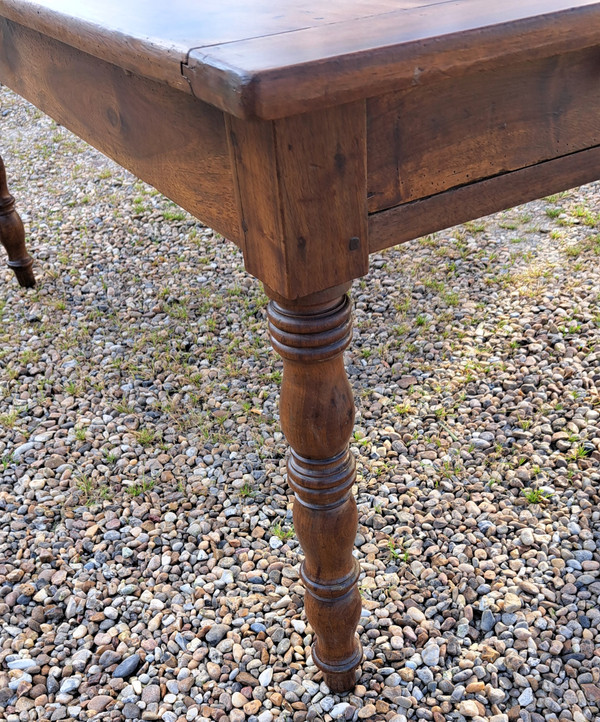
(317, 417)
(12, 235)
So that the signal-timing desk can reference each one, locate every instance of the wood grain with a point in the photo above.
(166, 137)
(153, 38)
(260, 59)
(317, 417)
(302, 193)
(412, 220)
(428, 139)
(283, 74)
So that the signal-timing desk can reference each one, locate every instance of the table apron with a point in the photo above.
(166, 137)
(429, 140)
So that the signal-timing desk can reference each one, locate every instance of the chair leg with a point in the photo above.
(12, 235)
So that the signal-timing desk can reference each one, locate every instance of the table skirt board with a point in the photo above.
(167, 138)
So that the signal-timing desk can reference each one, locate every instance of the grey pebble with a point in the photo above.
(431, 655)
(526, 697)
(216, 633)
(128, 666)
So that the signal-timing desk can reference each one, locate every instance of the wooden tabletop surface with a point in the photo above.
(265, 59)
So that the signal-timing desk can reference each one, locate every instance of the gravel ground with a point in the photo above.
(148, 563)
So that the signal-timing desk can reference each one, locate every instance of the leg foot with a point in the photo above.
(317, 416)
(12, 235)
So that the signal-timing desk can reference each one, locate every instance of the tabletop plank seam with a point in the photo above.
(319, 26)
(218, 75)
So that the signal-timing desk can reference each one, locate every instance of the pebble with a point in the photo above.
(488, 620)
(512, 603)
(416, 615)
(342, 710)
(128, 666)
(100, 702)
(265, 677)
(366, 712)
(526, 697)
(527, 537)
(70, 685)
(431, 655)
(21, 663)
(151, 694)
(469, 708)
(216, 633)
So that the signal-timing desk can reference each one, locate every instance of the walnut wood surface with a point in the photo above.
(12, 235)
(279, 75)
(428, 139)
(412, 220)
(317, 417)
(167, 138)
(302, 194)
(259, 59)
(154, 38)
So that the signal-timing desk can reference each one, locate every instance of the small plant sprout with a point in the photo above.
(144, 486)
(86, 486)
(578, 452)
(7, 460)
(110, 456)
(281, 533)
(9, 419)
(535, 496)
(360, 438)
(246, 490)
(146, 436)
(398, 554)
(394, 554)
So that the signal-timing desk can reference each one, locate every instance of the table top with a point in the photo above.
(256, 58)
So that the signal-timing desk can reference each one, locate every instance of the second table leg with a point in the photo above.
(317, 418)
(12, 235)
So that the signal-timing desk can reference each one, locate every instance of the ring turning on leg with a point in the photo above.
(12, 235)
(317, 417)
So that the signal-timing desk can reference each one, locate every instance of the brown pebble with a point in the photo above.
(252, 707)
(592, 692)
(475, 687)
(246, 678)
(24, 704)
(100, 702)
(367, 711)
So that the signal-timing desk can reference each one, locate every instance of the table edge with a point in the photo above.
(274, 91)
(143, 56)
(249, 79)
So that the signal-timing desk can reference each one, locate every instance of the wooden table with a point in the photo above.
(312, 134)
